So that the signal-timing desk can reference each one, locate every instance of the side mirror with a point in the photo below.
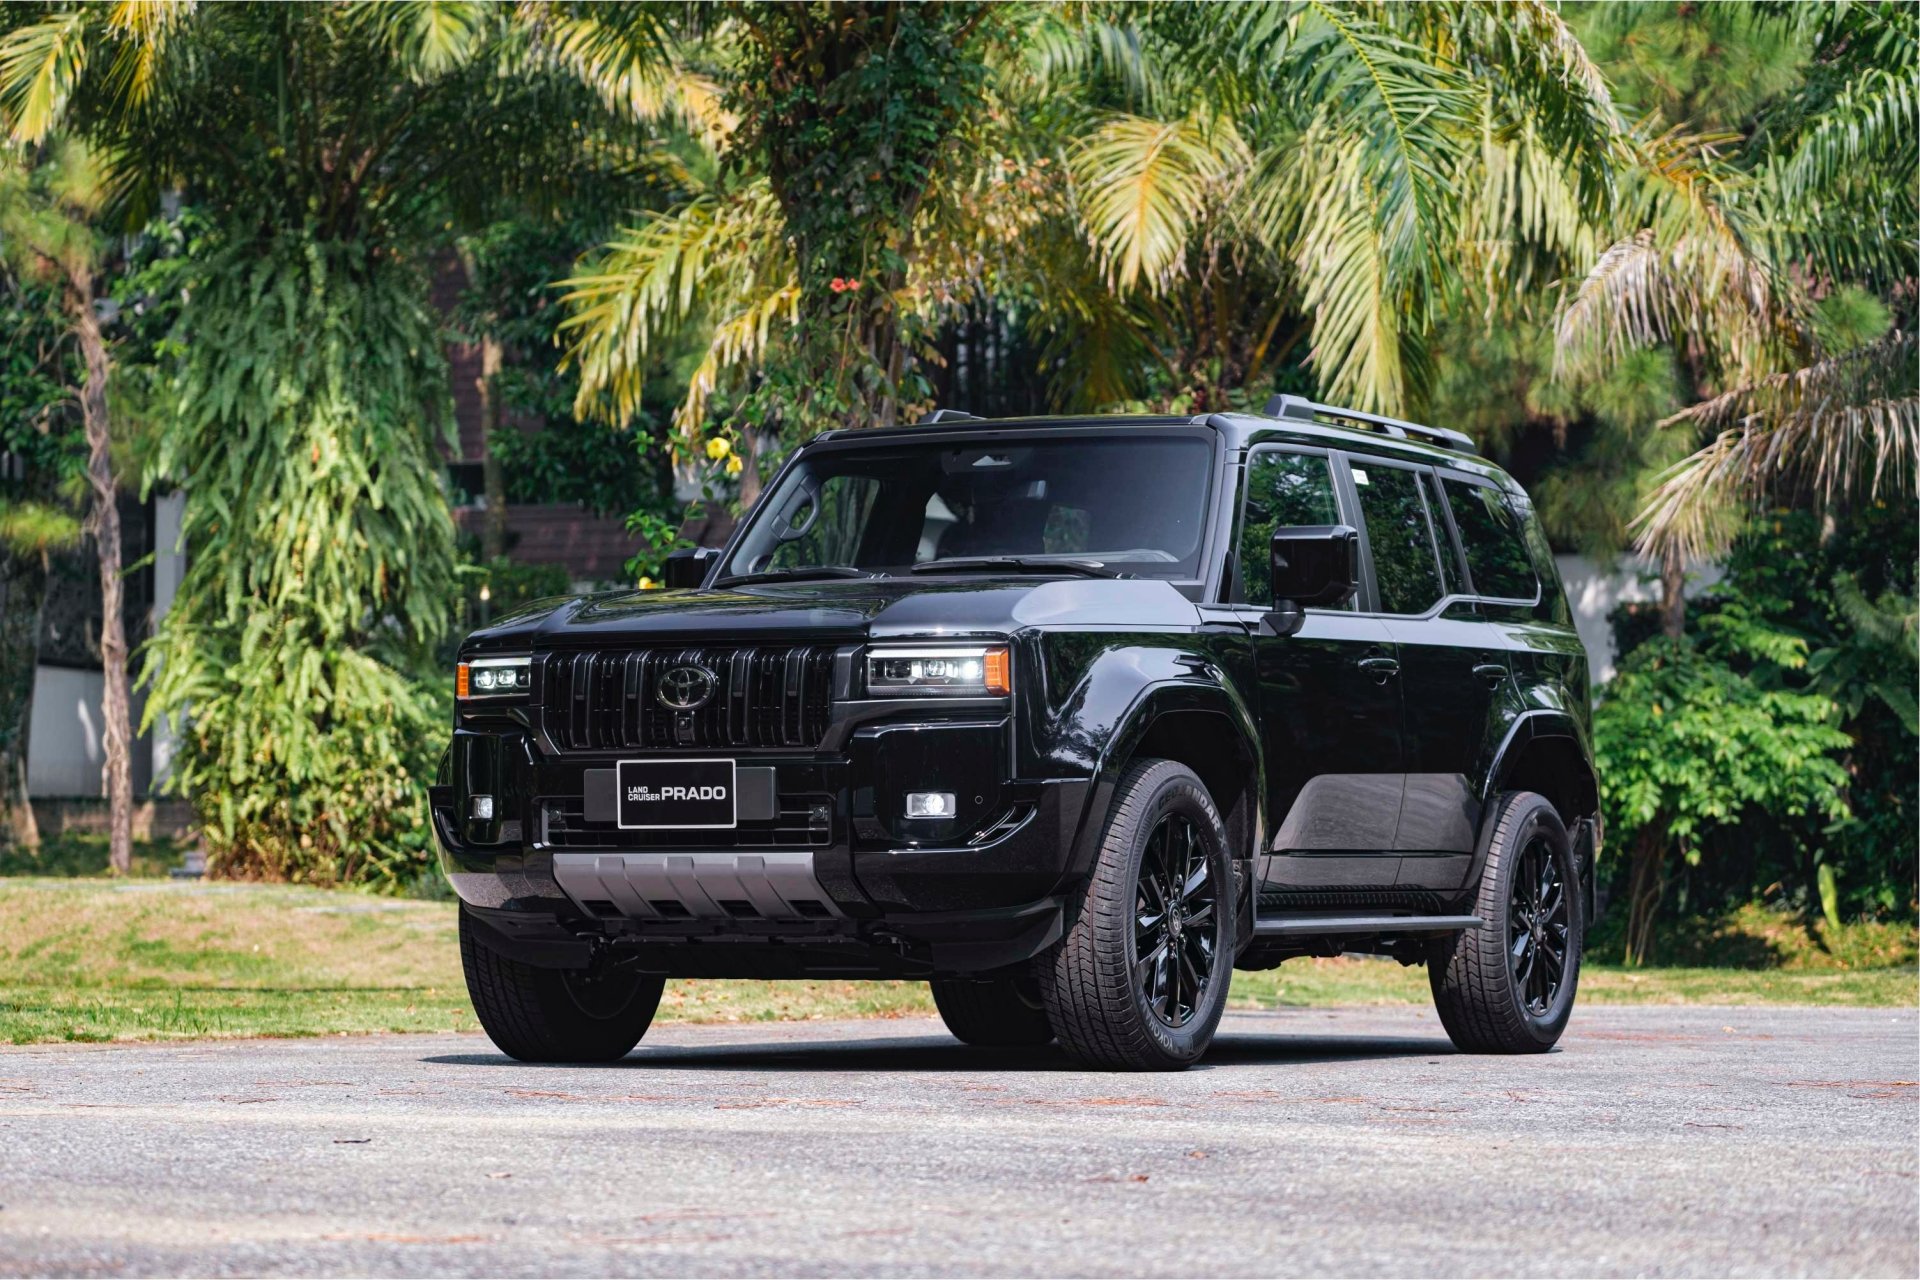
(1313, 566)
(687, 567)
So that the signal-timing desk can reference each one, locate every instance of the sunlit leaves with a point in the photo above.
(39, 66)
(1143, 186)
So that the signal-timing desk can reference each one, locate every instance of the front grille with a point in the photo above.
(765, 696)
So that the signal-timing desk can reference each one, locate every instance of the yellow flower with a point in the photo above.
(735, 465)
(718, 448)
(646, 584)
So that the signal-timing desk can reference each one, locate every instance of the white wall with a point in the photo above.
(64, 756)
(1593, 591)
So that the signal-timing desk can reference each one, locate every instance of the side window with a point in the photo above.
(1451, 581)
(1404, 568)
(1552, 605)
(1283, 489)
(1492, 537)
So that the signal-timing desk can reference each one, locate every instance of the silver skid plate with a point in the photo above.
(776, 885)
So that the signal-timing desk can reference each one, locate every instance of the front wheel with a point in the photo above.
(1507, 987)
(1140, 980)
(555, 1015)
(1004, 1013)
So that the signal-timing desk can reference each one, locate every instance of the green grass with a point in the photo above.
(156, 959)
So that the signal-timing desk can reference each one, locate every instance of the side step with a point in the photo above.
(1320, 926)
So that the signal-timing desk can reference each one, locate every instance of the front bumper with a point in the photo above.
(826, 877)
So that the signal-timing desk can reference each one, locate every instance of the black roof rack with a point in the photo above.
(946, 415)
(1301, 409)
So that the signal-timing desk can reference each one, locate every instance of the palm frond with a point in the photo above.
(1344, 260)
(1839, 430)
(649, 280)
(141, 29)
(431, 37)
(1692, 267)
(627, 58)
(40, 64)
(1143, 185)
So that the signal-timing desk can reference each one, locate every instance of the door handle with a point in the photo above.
(1381, 669)
(1492, 672)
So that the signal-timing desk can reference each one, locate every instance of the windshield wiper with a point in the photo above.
(798, 571)
(1019, 564)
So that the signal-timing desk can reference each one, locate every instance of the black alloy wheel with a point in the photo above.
(1509, 986)
(1173, 921)
(1539, 926)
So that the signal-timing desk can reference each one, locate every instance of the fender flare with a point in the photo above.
(1199, 690)
(1534, 726)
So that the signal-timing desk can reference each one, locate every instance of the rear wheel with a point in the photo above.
(555, 1015)
(1508, 986)
(1140, 981)
(1003, 1013)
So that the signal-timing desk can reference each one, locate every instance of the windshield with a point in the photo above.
(1135, 505)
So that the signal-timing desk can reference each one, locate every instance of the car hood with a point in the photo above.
(838, 609)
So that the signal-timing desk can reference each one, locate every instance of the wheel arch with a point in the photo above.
(1545, 752)
(1201, 724)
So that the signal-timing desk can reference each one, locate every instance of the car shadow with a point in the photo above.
(937, 1052)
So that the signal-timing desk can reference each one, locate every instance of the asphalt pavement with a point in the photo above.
(1655, 1141)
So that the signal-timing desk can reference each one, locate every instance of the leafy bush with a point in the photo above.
(323, 569)
(1685, 745)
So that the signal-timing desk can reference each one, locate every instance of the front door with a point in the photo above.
(1329, 701)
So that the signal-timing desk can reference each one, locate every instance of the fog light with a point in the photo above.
(929, 804)
(482, 808)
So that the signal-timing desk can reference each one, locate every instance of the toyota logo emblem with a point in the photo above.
(685, 688)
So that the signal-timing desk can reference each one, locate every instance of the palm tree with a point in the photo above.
(48, 206)
(1725, 261)
(334, 148)
(1177, 195)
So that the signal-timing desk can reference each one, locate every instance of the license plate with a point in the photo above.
(657, 795)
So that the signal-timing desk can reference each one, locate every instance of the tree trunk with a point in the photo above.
(1646, 885)
(23, 593)
(493, 538)
(749, 468)
(1673, 597)
(103, 522)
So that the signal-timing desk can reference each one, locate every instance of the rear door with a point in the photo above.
(1451, 669)
(1329, 705)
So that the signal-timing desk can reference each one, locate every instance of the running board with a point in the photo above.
(1319, 926)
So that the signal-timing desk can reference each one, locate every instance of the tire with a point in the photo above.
(1495, 987)
(554, 1015)
(1109, 1010)
(1002, 1014)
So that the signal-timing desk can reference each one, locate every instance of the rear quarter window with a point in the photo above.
(1493, 537)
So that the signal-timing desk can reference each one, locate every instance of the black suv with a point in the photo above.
(1069, 717)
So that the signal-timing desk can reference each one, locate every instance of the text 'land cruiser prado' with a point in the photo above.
(1069, 717)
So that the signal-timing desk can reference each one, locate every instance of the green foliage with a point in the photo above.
(847, 109)
(1684, 744)
(309, 408)
(563, 458)
(1847, 589)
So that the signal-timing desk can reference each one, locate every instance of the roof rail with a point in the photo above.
(1301, 409)
(946, 415)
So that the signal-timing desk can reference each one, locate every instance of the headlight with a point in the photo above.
(975, 671)
(494, 678)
